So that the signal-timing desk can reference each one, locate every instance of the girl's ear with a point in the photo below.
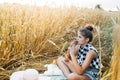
(87, 40)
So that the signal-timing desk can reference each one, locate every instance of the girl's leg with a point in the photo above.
(75, 76)
(67, 68)
(62, 66)
(69, 65)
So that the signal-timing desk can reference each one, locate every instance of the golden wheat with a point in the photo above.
(30, 31)
(116, 53)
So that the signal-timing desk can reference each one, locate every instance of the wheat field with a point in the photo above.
(116, 54)
(30, 32)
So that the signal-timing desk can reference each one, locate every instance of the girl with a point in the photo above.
(82, 60)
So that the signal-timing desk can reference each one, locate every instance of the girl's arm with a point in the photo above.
(67, 56)
(81, 69)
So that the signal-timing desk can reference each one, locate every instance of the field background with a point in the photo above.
(31, 36)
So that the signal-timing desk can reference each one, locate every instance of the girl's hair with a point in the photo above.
(87, 33)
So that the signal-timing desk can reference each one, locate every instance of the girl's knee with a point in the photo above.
(61, 58)
(71, 76)
(74, 76)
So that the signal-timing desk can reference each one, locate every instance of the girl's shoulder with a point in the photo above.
(91, 47)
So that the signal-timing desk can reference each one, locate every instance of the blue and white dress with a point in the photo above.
(93, 69)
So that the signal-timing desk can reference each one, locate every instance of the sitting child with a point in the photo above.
(82, 59)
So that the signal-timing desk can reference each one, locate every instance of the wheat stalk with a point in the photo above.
(116, 54)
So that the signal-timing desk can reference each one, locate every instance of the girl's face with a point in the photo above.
(82, 40)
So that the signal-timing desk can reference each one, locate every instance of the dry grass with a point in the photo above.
(35, 34)
(116, 54)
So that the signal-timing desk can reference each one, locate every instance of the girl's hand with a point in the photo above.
(67, 57)
(72, 51)
(73, 43)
